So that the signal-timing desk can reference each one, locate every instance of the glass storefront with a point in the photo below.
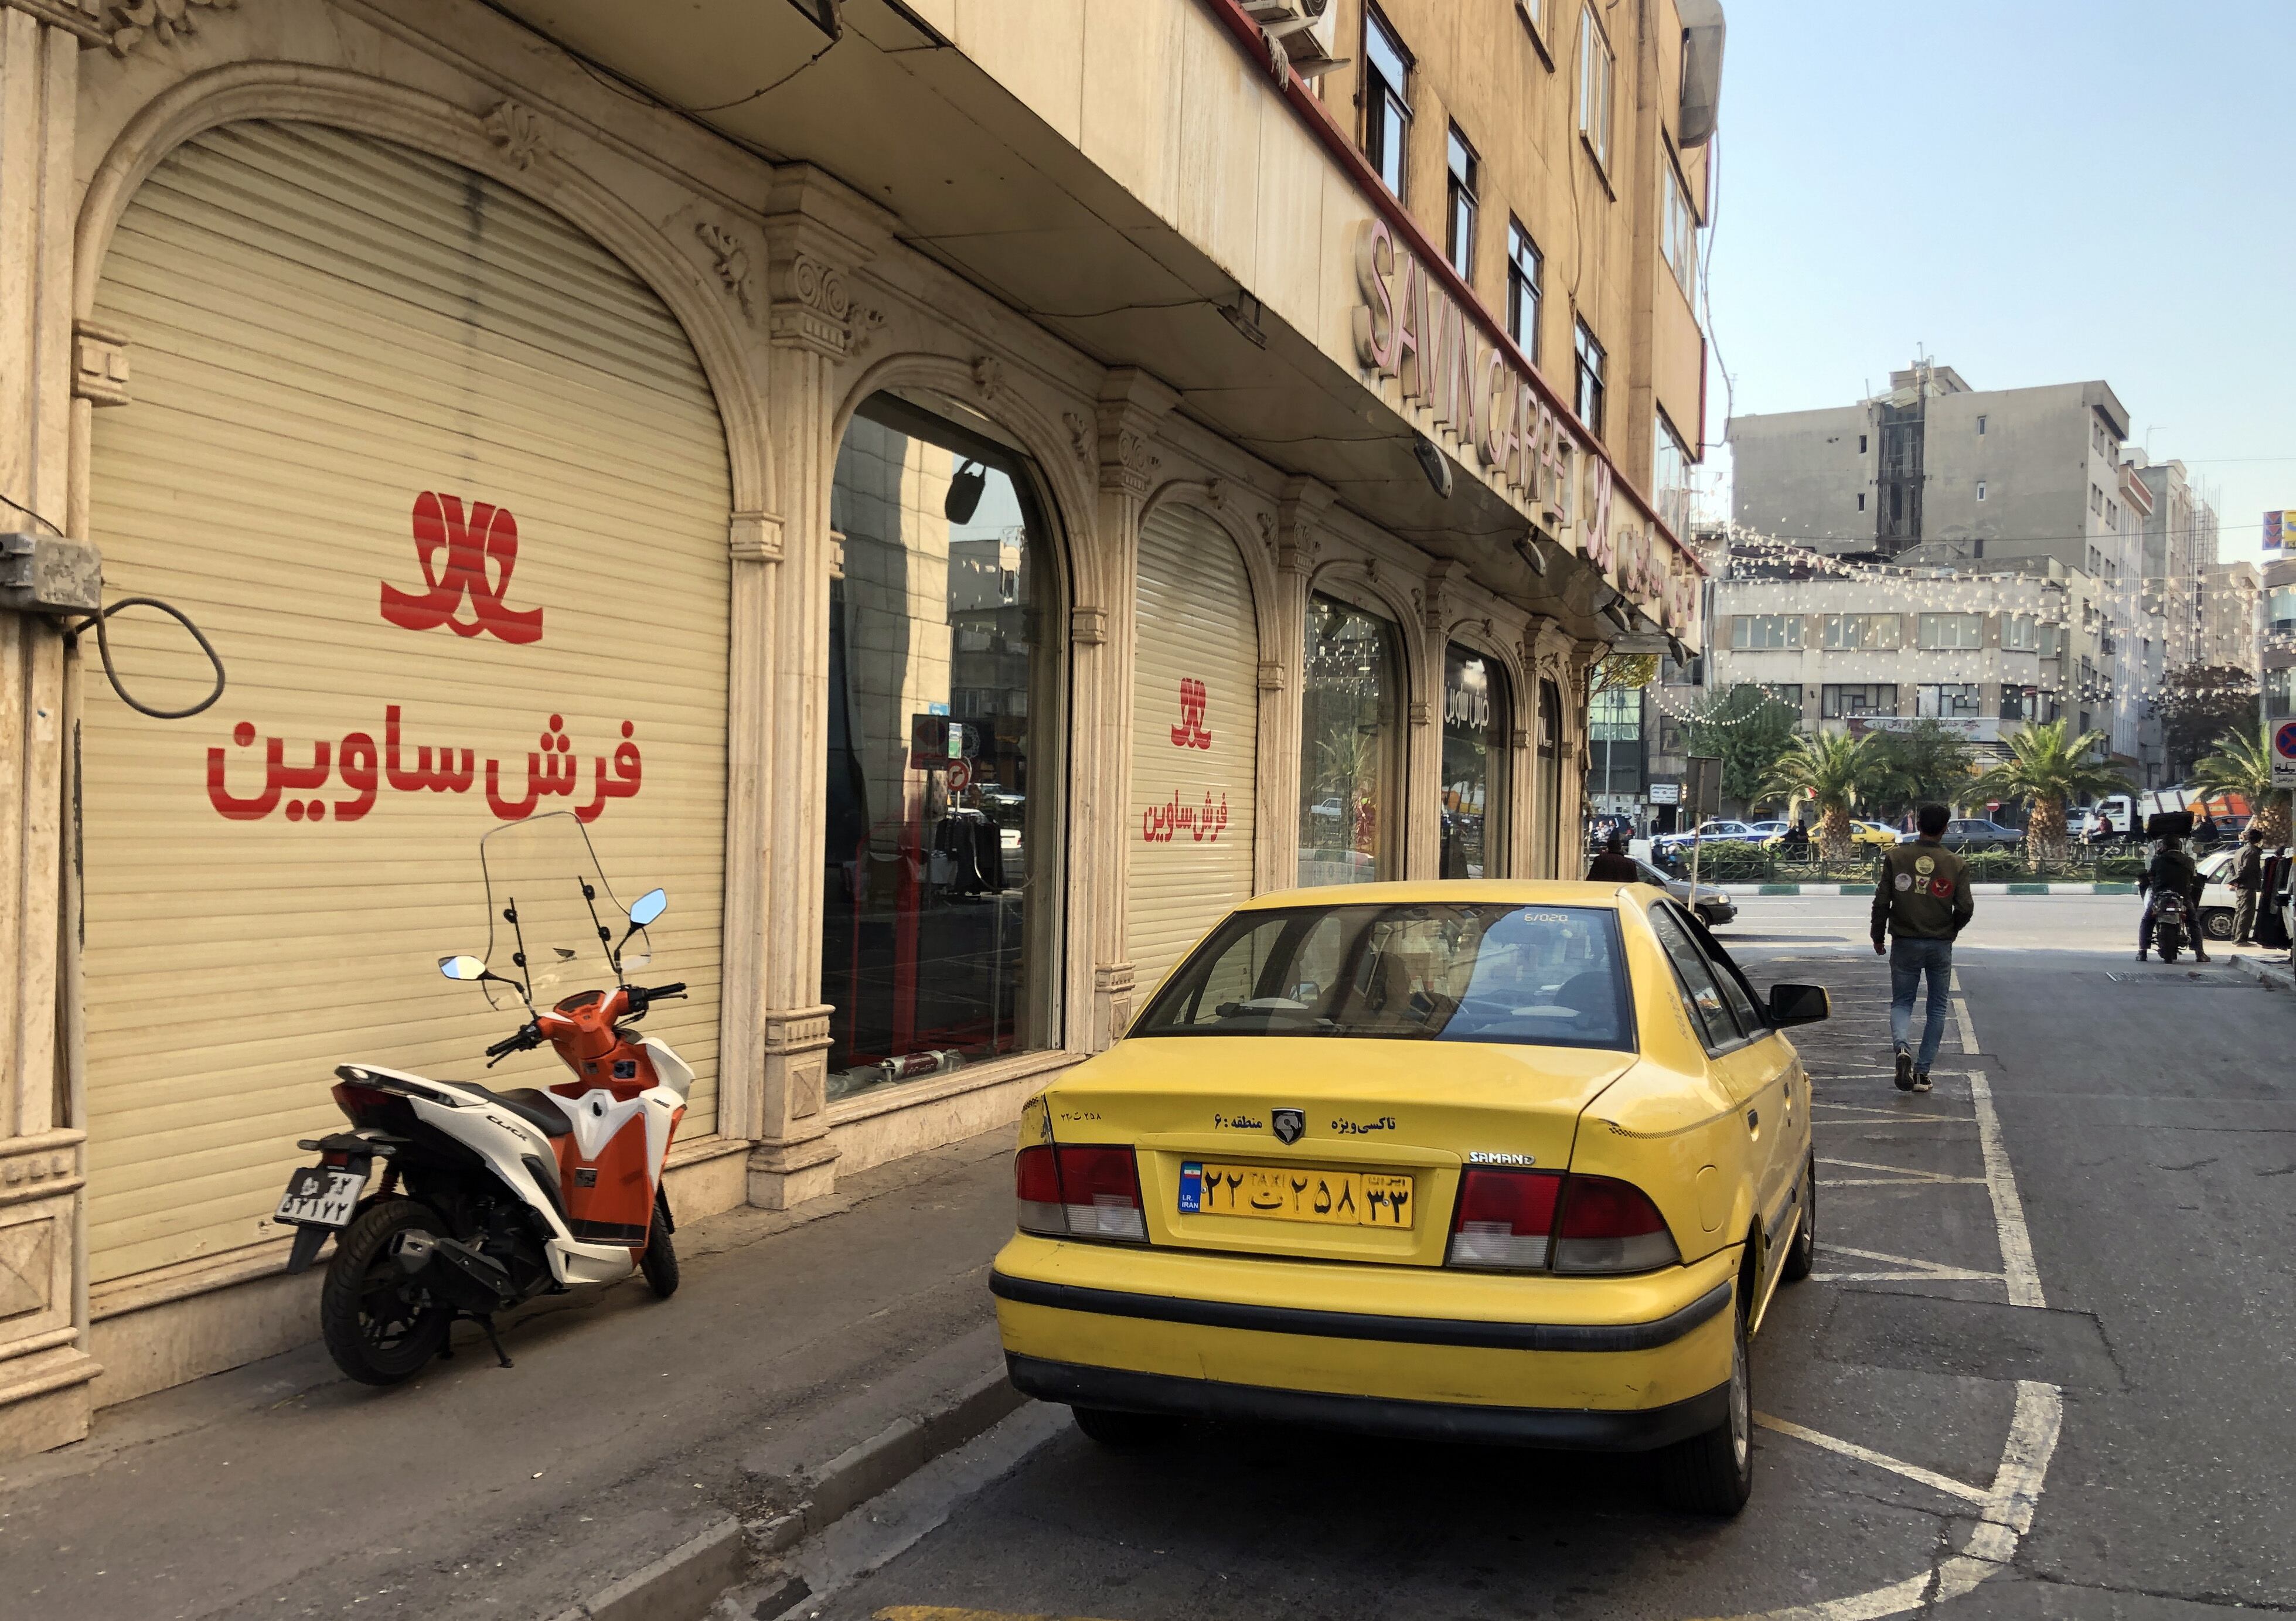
(1477, 723)
(1549, 833)
(1351, 747)
(937, 928)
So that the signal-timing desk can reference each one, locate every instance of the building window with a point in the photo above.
(1981, 489)
(2020, 633)
(1526, 285)
(1533, 13)
(939, 657)
(2280, 607)
(2095, 500)
(1861, 443)
(1981, 424)
(1680, 242)
(1839, 702)
(1595, 87)
(2280, 693)
(1478, 732)
(2012, 702)
(1671, 486)
(1459, 245)
(1861, 501)
(1761, 632)
(1861, 632)
(1385, 108)
(1946, 701)
(1350, 746)
(1590, 380)
(1952, 630)
(1787, 693)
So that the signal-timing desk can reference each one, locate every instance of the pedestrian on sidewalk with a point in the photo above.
(1613, 865)
(1923, 902)
(2247, 879)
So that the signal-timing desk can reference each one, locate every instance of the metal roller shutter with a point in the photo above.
(1195, 739)
(358, 371)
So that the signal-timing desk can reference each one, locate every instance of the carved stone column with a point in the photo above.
(1545, 656)
(44, 1373)
(817, 233)
(1132, 403)
(1299, 542)
(1578, 704)
(1423, 818)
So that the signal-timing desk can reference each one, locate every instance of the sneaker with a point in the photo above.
(1921, 1080)
(1905, 1069)
(2140, 953)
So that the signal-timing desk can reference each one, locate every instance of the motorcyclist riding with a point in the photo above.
(2172, 872)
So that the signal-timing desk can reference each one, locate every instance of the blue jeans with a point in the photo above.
(1909, 959)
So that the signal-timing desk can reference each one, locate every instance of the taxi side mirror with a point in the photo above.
(1798, 1004)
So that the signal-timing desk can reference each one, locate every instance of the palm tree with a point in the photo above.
(1831, 770)
(2047, 768)
(2242, 765)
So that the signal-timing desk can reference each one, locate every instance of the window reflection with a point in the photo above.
(1348, 744)
(938, 834)
(1477, 721)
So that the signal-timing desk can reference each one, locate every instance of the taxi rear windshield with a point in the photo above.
(1532, 976)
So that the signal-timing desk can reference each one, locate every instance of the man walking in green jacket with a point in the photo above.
(1923, 901)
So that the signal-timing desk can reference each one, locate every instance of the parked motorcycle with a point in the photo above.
(2171, 924)
(449, 1199)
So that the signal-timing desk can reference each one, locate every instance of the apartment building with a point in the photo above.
(2232, 605)
(999, 483)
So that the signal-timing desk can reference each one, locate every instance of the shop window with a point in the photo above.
(1478, 723)
(940, 926)
(1350, 748)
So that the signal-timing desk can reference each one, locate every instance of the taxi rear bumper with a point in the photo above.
(1585, 1428)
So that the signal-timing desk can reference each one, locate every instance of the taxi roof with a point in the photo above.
(1503, 891)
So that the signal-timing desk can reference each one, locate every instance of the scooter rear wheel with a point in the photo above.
(660, 1261)
(380, 1325)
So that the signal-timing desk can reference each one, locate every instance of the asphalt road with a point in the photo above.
(2043, 1371)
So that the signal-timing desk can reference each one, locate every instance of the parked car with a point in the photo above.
(1977, 833)
(1768, 830)
(1869, 833)
(2218, 899)
(1718, 833)
(1711, 904)
(1344, 1170)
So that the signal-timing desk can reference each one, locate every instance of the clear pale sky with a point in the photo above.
(2031, 191)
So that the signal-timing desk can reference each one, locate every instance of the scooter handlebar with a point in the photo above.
(522, 1039)
(642, 996)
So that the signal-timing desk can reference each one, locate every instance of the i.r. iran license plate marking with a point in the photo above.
(1304, 1194)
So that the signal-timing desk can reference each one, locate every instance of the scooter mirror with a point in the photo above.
(462, 968)
(648, 906)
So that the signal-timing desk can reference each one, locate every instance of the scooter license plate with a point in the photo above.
(320, 1196)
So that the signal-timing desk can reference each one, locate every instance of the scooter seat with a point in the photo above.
(534, 1107)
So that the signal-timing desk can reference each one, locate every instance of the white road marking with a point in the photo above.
(1961, 1017)
(1897, 1174)
(1953, 979)
(1896, 1466)
(1912, 1267)
(1890, 1114)
(2017, 1268)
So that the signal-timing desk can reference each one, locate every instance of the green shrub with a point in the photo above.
(1732, 864)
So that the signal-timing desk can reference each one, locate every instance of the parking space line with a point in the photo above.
(2017, 1269)
(1896, 1466)
(1961, 1017)
(1897, 1174)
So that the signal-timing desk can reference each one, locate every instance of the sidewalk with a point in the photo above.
(630, 1428)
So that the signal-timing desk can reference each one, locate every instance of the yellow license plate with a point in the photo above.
(1342, 1199)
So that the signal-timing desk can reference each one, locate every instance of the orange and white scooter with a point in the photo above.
(484, 1199)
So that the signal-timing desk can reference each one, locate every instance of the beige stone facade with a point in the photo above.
(1124, 246)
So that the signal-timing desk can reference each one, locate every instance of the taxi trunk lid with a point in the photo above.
(1320, 1148)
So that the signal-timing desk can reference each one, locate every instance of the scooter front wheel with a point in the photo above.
(660, 1261)
(380, 1324)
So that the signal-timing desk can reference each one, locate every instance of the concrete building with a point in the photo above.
(2232, 604)
(1935, 473)
(998, 483)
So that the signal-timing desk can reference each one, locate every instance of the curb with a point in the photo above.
(2274, 971)
(2036, 887)
(817, 1475)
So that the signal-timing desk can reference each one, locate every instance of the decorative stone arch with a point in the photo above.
(1481, 633)
(508, 145)
(1069, 486)
(1402, 604)
(1220, 506)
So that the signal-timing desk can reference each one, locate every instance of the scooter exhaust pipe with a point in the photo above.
(462, 1273)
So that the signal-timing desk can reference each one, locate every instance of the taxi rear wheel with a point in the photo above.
(1714, 1473)
(1120, 1432)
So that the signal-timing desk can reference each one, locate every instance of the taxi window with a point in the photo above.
(1701, 991)
(1536, 976)
(1735, 991)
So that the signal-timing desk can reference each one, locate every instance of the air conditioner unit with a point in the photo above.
(1307, 31)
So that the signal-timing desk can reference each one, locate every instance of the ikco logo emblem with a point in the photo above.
(488, 534)
(1190, 732)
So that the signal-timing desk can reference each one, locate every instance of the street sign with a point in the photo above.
(2283, 755)
(1703, 786)
(1666, 793)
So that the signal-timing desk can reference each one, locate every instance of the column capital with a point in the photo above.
(819, 235)
(1299, 507)
(1130, 406)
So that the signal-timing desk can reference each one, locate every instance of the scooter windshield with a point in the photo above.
(548, 902)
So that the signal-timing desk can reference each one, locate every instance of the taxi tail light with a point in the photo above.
(1503, 1219)
(1037, 1186)
(1608, 1225)
(1100, 1190)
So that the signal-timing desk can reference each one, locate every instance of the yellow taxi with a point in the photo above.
(1871, 833)
(1503, 1161)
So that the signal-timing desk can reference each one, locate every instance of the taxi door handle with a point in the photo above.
(1753, 1119)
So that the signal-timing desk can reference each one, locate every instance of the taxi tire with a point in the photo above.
(1120, 1432)
(1713, 1473)
(1801, 1255)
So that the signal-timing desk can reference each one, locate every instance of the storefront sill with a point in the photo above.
(932, 1089)
(181, 1279)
